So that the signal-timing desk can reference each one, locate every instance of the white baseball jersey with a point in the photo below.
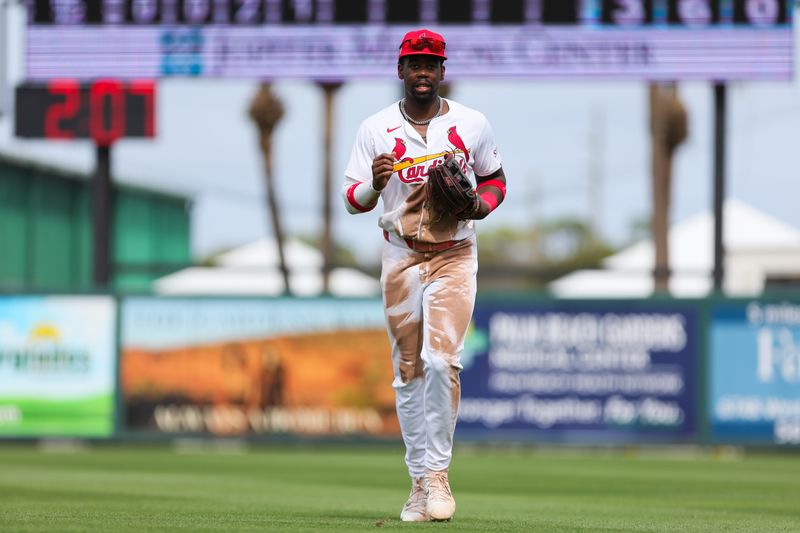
(462, 130)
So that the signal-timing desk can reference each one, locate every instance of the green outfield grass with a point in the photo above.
(147, 488)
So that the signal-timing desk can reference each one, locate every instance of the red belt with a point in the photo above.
(419, 246)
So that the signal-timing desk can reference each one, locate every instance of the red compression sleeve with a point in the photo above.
(489, 197)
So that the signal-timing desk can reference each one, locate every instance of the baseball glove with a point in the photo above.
(449, 190)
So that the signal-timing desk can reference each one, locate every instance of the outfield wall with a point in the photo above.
(535, 369)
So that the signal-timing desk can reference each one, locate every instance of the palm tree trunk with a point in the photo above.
(272, 207)
(661, 192)
(668, 128)
(266, 110)
(326, 243)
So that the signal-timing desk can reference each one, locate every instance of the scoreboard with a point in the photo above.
(258, 12)
(340, 39)
(103, 110)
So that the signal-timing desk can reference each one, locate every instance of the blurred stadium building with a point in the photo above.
(46, 233)
(761, 254)
(253, 269)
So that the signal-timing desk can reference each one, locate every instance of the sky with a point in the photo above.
(577, 150)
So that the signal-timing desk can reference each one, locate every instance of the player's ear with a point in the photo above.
(400, 69)
(443, 70)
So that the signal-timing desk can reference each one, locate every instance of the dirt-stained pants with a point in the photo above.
(428, 300)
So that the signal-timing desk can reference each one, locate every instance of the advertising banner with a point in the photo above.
(755, 372)
(252, 367)
(57, 358)
(610, 372)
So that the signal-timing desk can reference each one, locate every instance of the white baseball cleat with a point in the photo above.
(414, 509)
(441, 505)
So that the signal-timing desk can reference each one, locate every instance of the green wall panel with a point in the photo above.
(133, 238)
(82, 235)
(152, 238)
(46, 237)
(14, 226)
(54, 254)
(172, 246)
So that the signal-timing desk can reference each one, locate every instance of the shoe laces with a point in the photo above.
(438, 486)
(416, 500)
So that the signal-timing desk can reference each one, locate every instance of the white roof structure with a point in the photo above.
(252, 269)
(756, 246)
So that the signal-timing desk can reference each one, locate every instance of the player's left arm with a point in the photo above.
(490, 180)
(491, 191)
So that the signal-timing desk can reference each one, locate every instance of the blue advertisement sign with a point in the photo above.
(610, 372)
(755, 372)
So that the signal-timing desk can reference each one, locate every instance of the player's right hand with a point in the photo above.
(382, 170)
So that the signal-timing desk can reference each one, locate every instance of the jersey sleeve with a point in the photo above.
(357, 192)
(486, 156)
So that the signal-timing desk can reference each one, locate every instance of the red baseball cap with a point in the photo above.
(422, 42)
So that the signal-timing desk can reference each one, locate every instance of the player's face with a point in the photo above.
(421, 76)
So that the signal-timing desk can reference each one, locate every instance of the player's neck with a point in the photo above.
(421, 110)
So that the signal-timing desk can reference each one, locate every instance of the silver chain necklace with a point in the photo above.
(419, 122)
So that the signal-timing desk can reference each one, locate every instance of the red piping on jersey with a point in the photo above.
(351, 197)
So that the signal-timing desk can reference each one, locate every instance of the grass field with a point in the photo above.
(149, 488)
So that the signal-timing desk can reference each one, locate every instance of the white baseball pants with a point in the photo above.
(428, 300)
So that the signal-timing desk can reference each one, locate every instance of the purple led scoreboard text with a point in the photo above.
(338, 39)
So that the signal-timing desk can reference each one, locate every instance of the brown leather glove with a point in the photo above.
(450, 192)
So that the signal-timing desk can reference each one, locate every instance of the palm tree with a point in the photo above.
(329, 90)
(668, 129)
(266, 110)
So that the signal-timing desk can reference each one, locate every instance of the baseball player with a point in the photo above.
(429, 260)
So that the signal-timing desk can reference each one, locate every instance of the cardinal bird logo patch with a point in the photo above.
(455, 140)
(399, 149)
